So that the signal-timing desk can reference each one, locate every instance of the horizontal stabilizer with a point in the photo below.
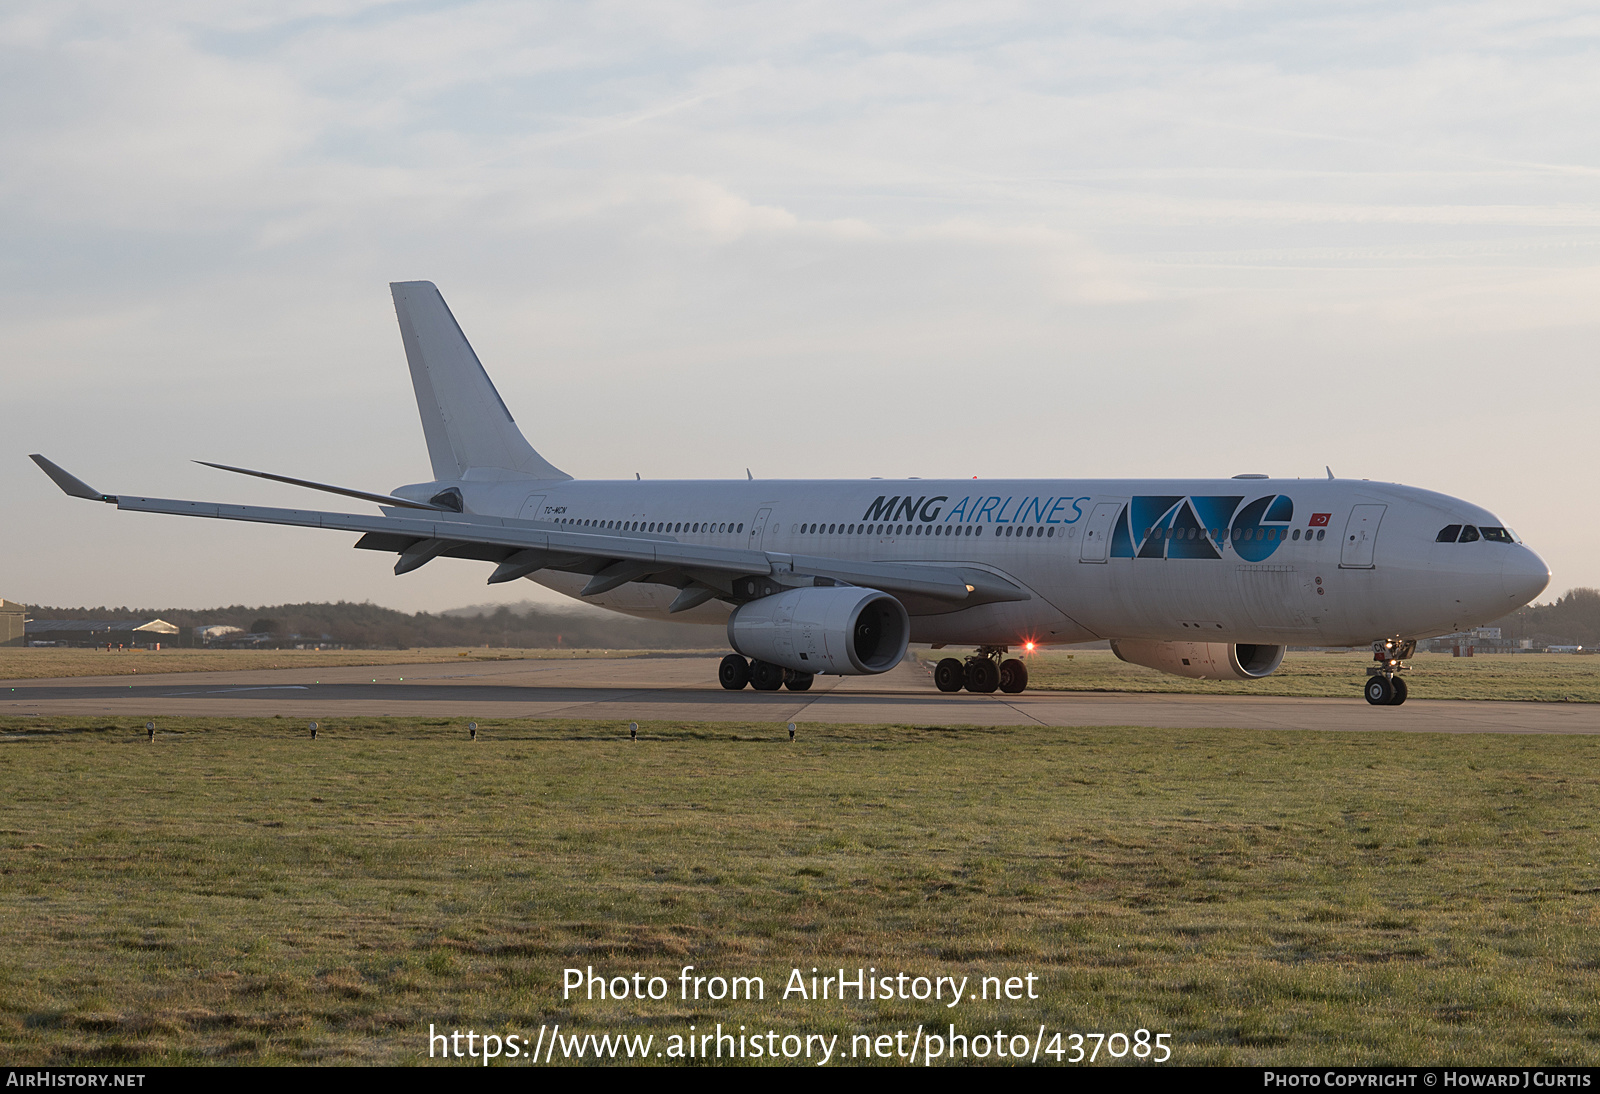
(69, 482)
(381, 499)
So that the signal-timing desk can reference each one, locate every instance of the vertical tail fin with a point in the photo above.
(466, 423)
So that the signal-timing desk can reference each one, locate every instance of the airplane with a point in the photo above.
(1202, 578)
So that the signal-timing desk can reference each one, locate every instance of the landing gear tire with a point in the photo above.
(765, 676)
(1013, 676)
(949, 675)
(734, 672)
(1380, 691)
(1400, 690)
(797, 681)
(982, 675)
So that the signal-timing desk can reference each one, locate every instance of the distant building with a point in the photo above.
(215, 632)
(100, 632)
(12, 618)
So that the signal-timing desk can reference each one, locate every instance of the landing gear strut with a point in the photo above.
(1385, 686)
(984, 672)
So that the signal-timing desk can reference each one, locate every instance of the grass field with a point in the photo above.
(45, 662)
(234, 892)
(1537, 677)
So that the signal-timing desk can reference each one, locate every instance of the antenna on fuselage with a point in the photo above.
(1329, 470)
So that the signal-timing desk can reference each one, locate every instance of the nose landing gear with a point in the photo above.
(1385, 686)
(986, 671)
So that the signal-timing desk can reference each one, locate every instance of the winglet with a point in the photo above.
(70, 483)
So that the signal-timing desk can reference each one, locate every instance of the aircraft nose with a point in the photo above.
(1523, 575)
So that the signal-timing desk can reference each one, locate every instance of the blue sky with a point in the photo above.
(1099, 239)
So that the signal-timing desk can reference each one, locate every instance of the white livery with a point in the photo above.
(1200, 577)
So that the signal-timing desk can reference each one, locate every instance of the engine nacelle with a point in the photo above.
(841, 631)
(1203, 660)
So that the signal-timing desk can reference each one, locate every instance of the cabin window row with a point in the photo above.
(885, 530)
(1271, 535)
(693, 528)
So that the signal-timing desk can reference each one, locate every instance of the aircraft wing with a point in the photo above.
(521, 547)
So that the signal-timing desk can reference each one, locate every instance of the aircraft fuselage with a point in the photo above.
(1282, 561)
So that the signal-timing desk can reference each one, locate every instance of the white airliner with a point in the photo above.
(1208, 578)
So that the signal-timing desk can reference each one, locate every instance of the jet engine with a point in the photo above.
(841, 631)
(1203, 660)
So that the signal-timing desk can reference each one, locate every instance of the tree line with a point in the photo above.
(366, 625)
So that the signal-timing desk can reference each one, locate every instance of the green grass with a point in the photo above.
(1535, 677)
(234, 892)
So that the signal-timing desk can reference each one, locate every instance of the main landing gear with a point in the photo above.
(735, 672)
(1385, 686)
(985, 671)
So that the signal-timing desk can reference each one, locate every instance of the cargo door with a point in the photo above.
(1273, 595)
(1360, 537)
(532, 509)
(1097, 533)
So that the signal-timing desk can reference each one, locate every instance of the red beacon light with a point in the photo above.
(1027, 647)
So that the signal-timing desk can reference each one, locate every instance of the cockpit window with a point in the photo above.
(1469, 534)
(1448, 533)
(1498, 535)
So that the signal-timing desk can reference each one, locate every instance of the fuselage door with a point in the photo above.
(1360, 537)
(532, 508)
(1097, 533)
(758, 528)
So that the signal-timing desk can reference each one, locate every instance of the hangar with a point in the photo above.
(12, 618)
(101, 632)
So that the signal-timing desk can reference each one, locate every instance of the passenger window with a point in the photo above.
(741, 526)
(1469, 534)
(1448, 534)
(1322, 534)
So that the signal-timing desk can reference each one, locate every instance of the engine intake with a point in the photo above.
(842, 631)
(1203, 660)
